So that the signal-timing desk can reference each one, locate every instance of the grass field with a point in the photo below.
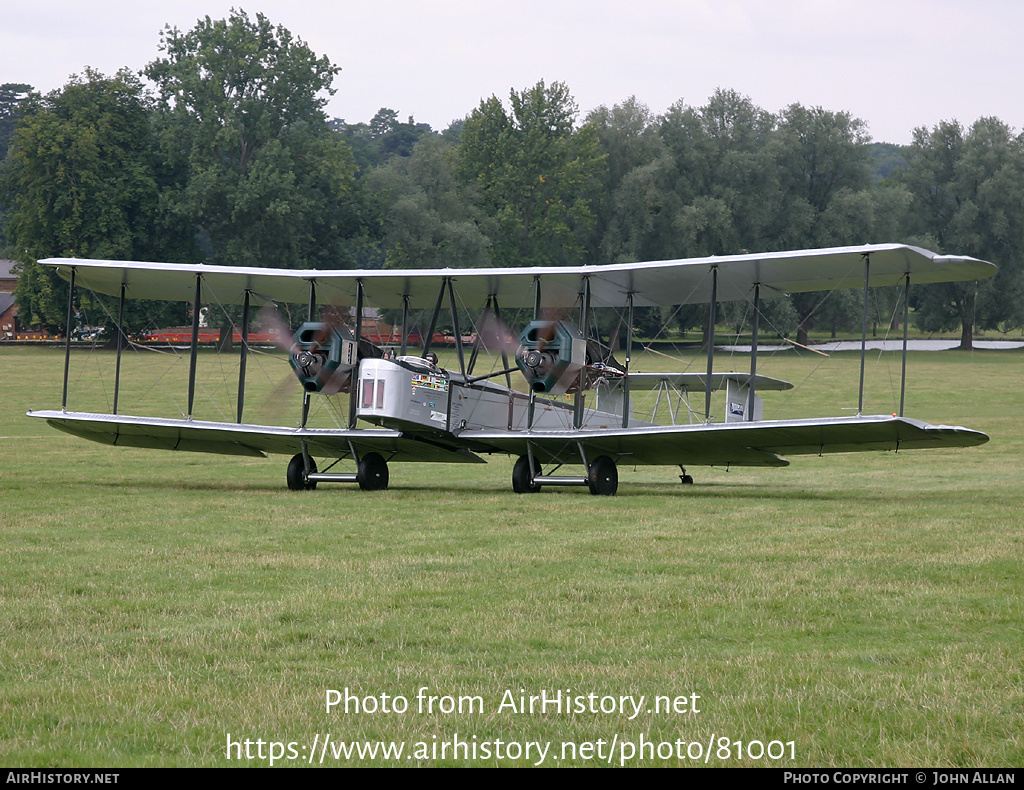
(852, 610)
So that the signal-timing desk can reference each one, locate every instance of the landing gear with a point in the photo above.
(684, 478)
(603, 477)
(522, 476)
(372, 474)
(297, 474)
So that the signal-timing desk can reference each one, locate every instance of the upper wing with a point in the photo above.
(650, 283)
(737, 444)
(227, 438)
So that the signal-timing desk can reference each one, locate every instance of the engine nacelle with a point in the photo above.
(323, 357)
(550, 356)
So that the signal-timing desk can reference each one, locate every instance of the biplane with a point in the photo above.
(576, 409)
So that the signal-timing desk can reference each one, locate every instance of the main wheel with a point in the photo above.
(522, 475)
(297, 474)
(372, 473)
(603, 476)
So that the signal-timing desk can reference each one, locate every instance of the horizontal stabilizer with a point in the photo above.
(697, 381)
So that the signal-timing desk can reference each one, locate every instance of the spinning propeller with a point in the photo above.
(323, 354)
(551, 355)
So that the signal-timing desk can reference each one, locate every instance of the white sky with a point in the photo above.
(896, 64)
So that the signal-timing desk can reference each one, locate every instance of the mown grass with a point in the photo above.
(867, 607)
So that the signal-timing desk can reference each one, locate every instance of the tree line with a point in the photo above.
(225, 155)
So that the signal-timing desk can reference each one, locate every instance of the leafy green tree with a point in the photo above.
(727, 184)
(823, 166)
(863, 216)
(81, 180)
(967, 191)
(886, 160)
(536, 173)
(635, 183)
(430, 218)
(628, 137)
(821, 153)
(11, 97)
(383, 138)
(696, 181)
(260, 175)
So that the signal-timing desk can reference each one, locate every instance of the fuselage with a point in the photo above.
(412, 394)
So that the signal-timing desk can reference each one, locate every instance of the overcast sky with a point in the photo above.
(896, 64)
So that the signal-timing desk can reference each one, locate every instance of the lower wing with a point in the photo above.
(737, 444)
(714, 444)
(227, 438)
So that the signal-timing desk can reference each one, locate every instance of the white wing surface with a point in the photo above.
(674, 282)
